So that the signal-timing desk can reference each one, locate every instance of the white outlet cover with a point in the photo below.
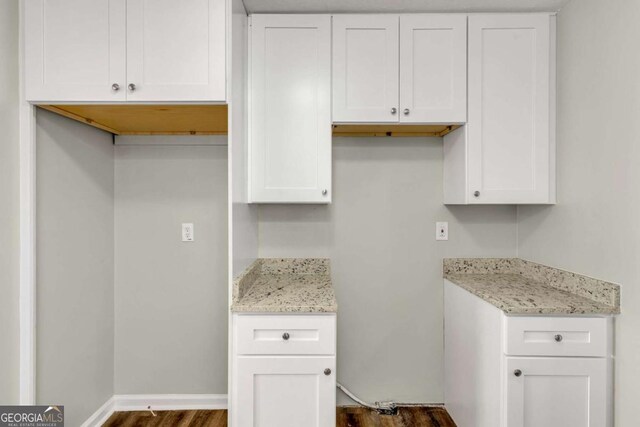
(442, 231)
(187, 232)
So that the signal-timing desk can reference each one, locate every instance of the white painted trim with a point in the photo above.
(101, 415)
(157, 402)
(27, 236)
(169, 402)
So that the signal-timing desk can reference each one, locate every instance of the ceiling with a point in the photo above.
(401, 6)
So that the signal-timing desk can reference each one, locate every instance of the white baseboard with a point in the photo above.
(169, 402)
(157, 402)
(101, 415)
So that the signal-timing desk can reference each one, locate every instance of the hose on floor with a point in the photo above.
(384, 408)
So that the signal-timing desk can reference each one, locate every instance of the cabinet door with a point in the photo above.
(509, 109)
(433, 68)
(75, 50)
(176, 50)
(290, 110)
(365, 68)
(567, 392)
(285, 392)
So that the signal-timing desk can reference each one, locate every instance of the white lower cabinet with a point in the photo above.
(525, 371)
(284, 370)
(286, 391)
(556, 391)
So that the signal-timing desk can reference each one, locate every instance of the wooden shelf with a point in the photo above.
(393, 130)
(149, 119)
(126, 119)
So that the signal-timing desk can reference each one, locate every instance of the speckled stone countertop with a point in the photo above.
(285, 285)
(517, 286)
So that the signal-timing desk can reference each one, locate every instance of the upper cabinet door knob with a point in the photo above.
(115, 87)
(476, 194)
(406, 111)
(394, 110)
(132, 87)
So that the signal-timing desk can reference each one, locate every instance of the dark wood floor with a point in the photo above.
(408, 416)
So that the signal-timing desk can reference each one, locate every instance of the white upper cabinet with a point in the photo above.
(365, 68)
(75, 50)
(290, 109)
(506, 152)
(176, 50)
(125, 50)
(433, 68)
(399, 69)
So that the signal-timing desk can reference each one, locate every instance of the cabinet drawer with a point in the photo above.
(555, 336)
(286, 334)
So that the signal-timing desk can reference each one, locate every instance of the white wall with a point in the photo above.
(9, 203)
(170, 296)
(74, 266)
(386, 265)
(595, 228)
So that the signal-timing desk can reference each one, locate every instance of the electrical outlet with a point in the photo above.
(442, 231)
(187, 232)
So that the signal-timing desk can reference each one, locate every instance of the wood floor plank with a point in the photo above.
(408, 416)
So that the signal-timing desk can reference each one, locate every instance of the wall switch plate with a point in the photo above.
(442, 231)
(187, 232)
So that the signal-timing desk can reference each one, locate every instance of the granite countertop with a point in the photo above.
(285, 285)
(517, 286)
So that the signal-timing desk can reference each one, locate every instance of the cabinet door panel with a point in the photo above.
(176, 50)
(365, 68)
(433, 68)
(556, 392)
(290, 111)
(509, 108)
(285, 392)
(75, 50)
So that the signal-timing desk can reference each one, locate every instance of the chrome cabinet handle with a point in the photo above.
(517, 372)
(557, 337)
(132, 87)
(394, 110)
(285, 336)
(406, 111)
(115, 87)
(324, 192)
